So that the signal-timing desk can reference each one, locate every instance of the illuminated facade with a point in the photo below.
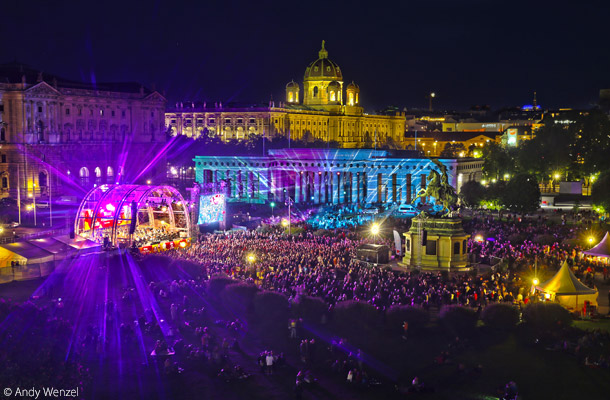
(326, 176)
(60, 137)
(323, 110)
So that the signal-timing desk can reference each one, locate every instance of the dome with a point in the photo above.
(353, 86)
(292, 85)
(323, 68)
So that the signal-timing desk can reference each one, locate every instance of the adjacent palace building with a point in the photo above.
(324, 109)
(61, 137)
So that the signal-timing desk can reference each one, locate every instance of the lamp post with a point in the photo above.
(430, 97)
(34, 196)
(272, 204)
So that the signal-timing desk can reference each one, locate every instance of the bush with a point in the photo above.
(216, 285)
(239, 297)
(310, 308)
(271, 307)
(547, 316)
(355, 315)
(500, 316)
(458, 320)
(396, 315)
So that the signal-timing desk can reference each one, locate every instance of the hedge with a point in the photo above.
(458, 320)
(500, 316)
(546, 316)
(309, 308)
(239, 298)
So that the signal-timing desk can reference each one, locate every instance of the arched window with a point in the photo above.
(290, 97)
(83, 173)
(350, 98)
(357, 98)
(2, 134)
(332, 96)
(109, 171)
(98, 172)
(42, 179)
(4, 182)
(315, 91)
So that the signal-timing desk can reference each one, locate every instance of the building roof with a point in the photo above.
(15, 72)
(451, 136)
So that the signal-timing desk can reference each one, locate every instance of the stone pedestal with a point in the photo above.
(445, 248)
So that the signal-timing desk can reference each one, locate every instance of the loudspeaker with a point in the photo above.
(134, 217)
(424, 237)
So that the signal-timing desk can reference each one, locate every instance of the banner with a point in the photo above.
(398, 244)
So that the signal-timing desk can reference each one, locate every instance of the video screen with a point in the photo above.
(211, 208)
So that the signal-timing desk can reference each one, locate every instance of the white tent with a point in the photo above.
(566, 289)
(602, 249)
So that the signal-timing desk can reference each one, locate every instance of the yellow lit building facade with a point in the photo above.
(324, 110)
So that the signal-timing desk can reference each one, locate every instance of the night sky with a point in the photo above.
(468, 52)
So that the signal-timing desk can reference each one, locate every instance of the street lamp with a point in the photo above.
(535, 281)
(375, 229)
(272, 204)
(251, 258)
(430, 97)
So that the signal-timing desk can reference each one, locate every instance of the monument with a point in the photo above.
(436, 239)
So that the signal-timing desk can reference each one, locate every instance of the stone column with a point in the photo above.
(354, 189)
(316, 187)
(336, 180)
(371, 186)
(297, 188)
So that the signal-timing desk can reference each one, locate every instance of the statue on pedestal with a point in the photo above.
(438, 187)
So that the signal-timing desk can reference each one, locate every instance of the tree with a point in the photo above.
(492, 199)
(600, 194)
(497, 161)
(453, 150)
(472, 193)
(522, 194)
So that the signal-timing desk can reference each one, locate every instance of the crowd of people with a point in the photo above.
(146, 235)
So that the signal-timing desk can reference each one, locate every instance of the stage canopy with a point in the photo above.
(568, 290)
(602, 249)
(116, 212)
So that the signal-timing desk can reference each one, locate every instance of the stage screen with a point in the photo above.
(211, 208)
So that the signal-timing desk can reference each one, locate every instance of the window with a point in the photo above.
(456, 248)
(2, 134)
(315, 91)
(123, 113)
(67, 111)
(276, 121)
(240, 121)
(173, 121)
(101, 112)
(112, 113)
(3, 158)
(4, 182)
(408, 245)
(39, 109)
(252, 121)
(431, 247)
(152, 113)
(80, 111)
(227, 120)
(199, 120)
(212, 121)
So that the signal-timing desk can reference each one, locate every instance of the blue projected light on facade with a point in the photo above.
(211, 209)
